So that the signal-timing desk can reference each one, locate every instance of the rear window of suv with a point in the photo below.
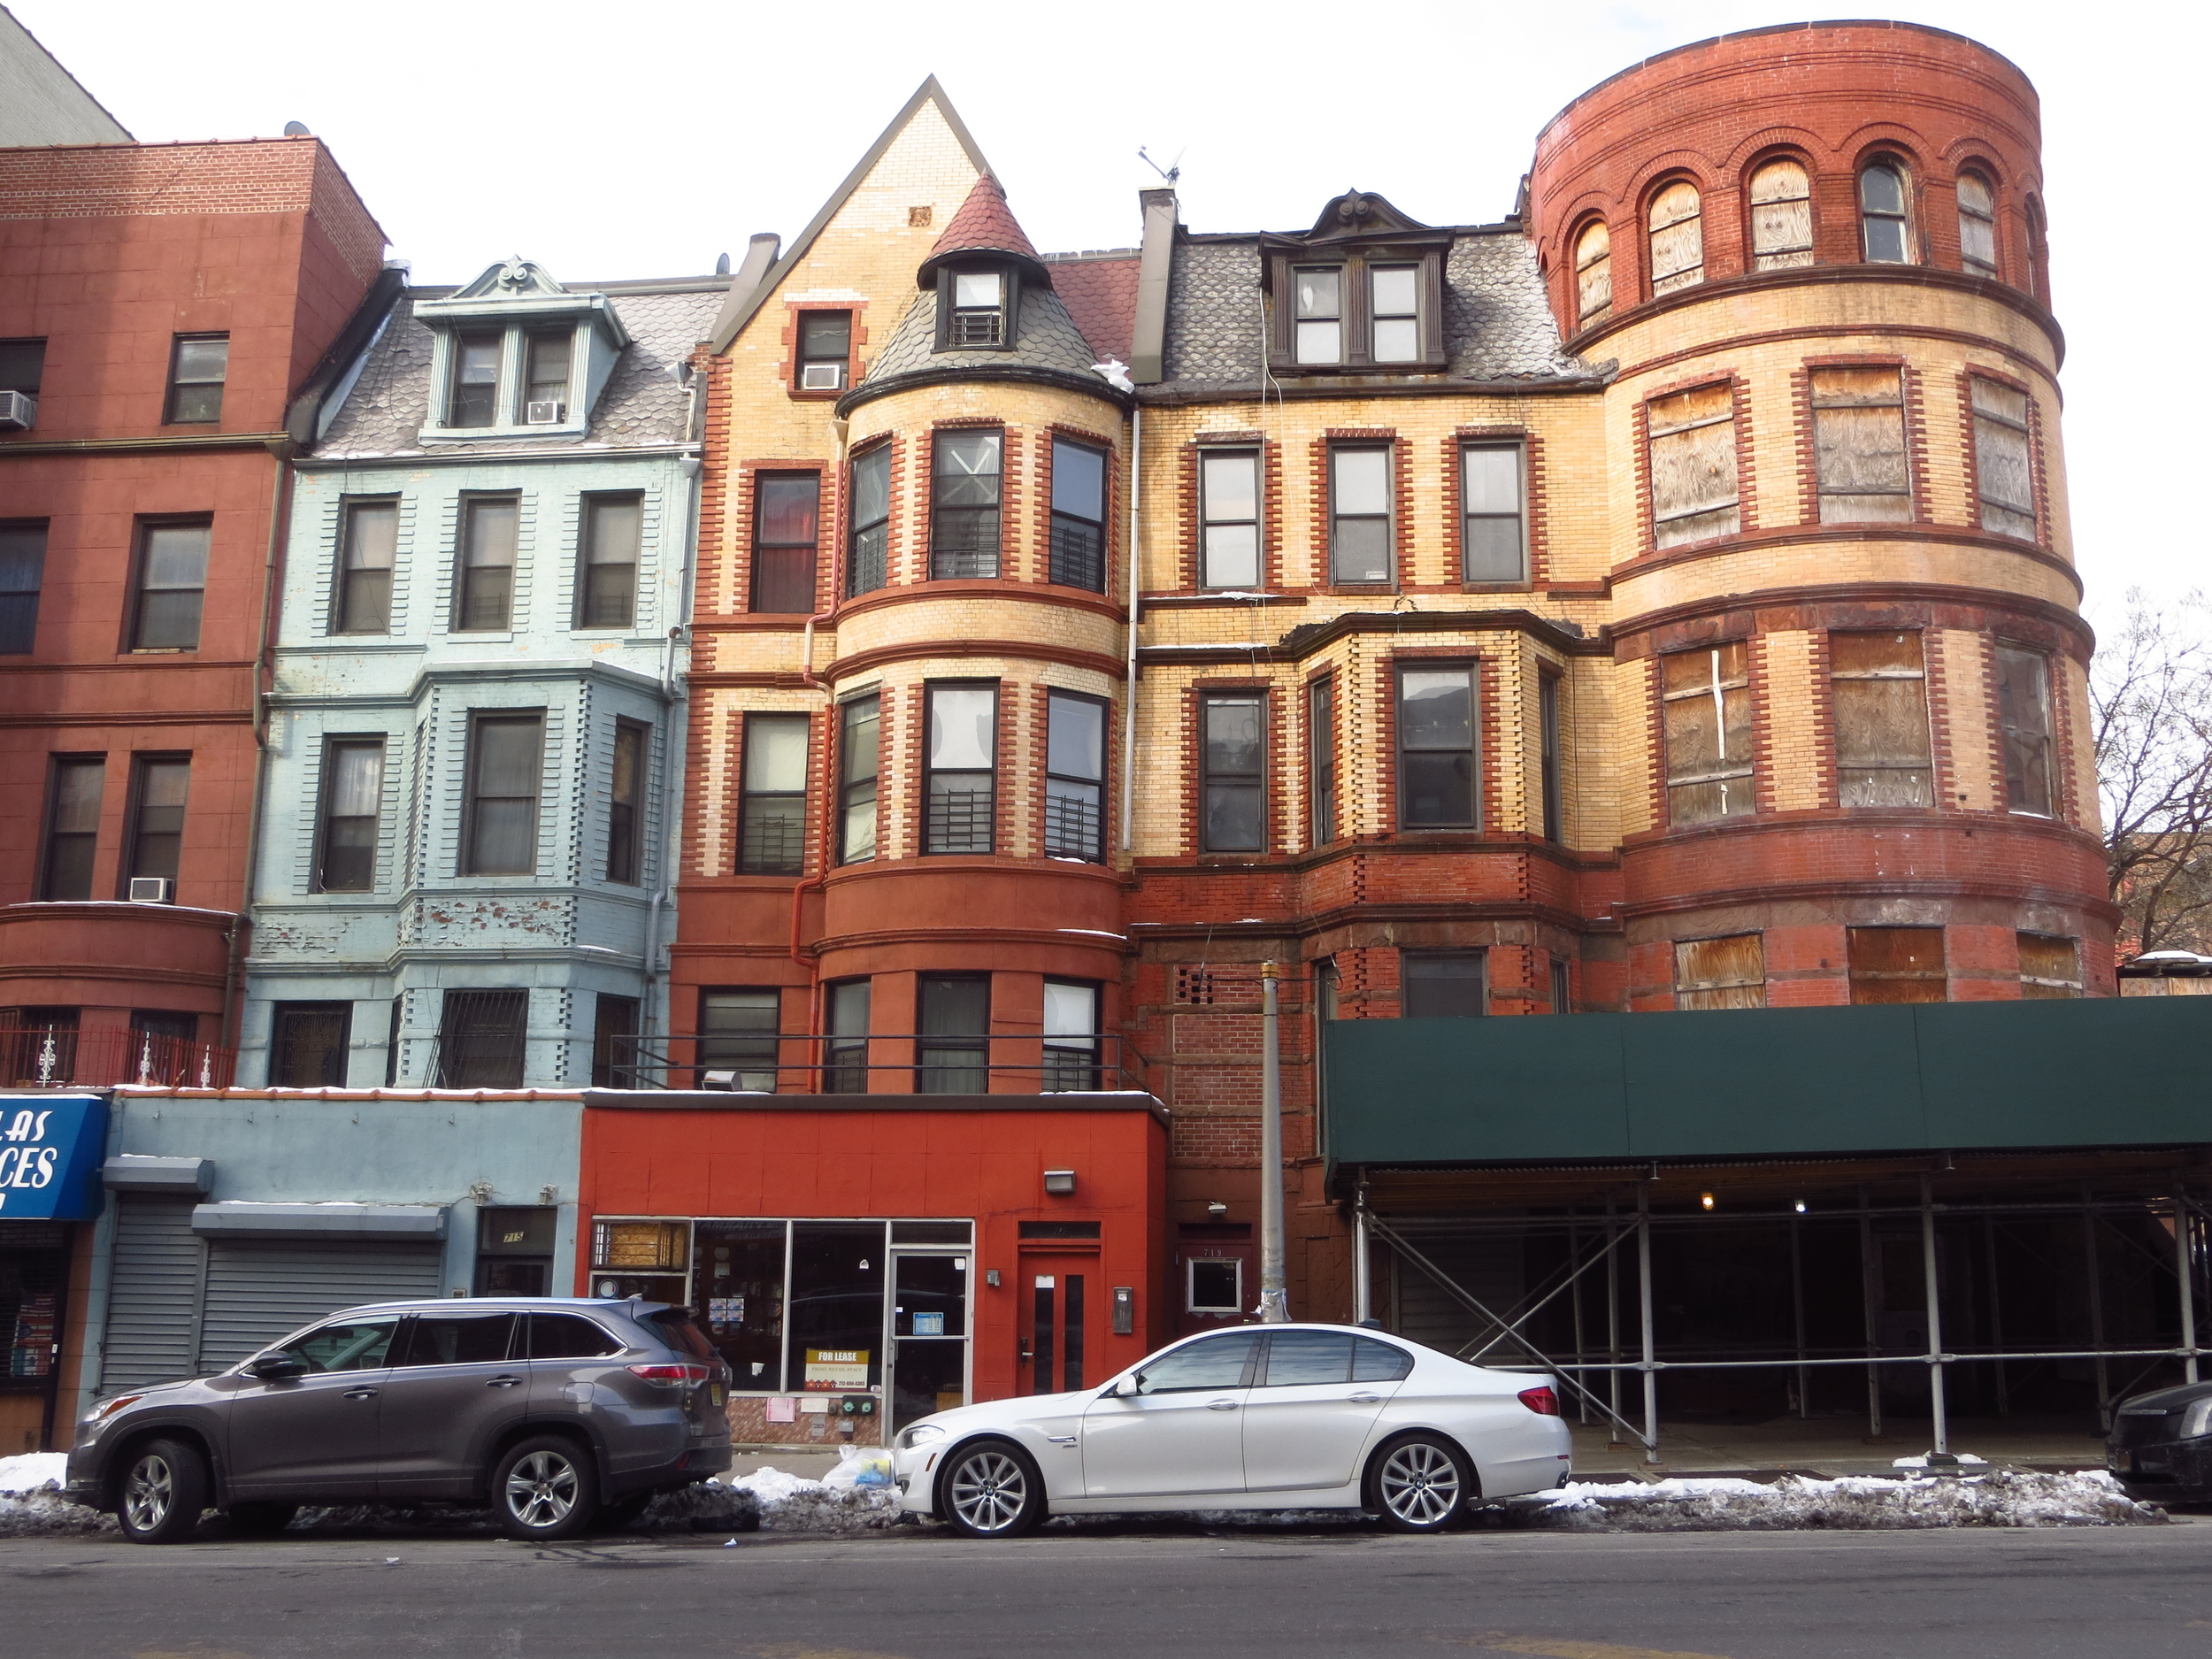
(568, 1336)
(676, 1330)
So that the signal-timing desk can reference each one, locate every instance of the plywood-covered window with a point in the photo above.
(1781, 216)
(1897, 965)
(2004, 478)
(1594, 272)
(1879, 685)
(1678, 238)
(1977, 225)
(1693, 466)
(1859, 445)
(2048, 966)
(2024, 711)
(1728, 972)
(1707, 697)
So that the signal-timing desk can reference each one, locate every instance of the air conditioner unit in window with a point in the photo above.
(545, 414)
(149, 889)
(821, 377)
(19, 412)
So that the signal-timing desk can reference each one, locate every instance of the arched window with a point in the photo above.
(1885, 228)
(1594, 272)
(1781, 217)
(2039, 253)
(1977, 225)
(1678, 238)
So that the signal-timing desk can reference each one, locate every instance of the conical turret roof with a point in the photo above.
(984, 226)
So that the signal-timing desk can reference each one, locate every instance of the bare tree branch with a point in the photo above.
(2151, 708)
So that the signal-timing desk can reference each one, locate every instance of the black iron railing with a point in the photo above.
(881, 1062)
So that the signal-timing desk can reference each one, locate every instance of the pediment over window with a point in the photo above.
(1360, 294)
(518, 355)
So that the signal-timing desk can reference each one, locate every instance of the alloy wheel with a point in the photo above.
(1420, 1484)
(542, 1489)
(148, 1491)
(989, 1491)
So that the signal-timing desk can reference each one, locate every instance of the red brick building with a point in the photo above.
(166, 312)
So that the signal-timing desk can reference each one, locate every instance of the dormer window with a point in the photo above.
(517, 356)
(1364, 289)
(978, 315)
(545, 395)
(475, 380)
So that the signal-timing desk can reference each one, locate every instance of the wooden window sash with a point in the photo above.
(1862, 465)
(1594, 273)
(1678, 238)
(1706, 727)
(2023, 718)
(1781, 217)
(2004, 469)
(1694, 487)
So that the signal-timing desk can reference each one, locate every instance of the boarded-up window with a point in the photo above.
(2002, 477)
(1897, 965)
(2024, 710)
(1859, 445)
(1594, 272)
(1781, 217)
(1707, 694)
(1880, 689)
(2048, 966)
(1728, 972)
(1678, 238)
(1693, 466)
(1977, 225)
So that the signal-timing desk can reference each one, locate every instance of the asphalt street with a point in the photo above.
(1106, 1594)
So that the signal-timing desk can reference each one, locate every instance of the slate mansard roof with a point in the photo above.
(1498, 324)
(642, 404)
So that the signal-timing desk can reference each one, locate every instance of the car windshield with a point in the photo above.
(344, 1345)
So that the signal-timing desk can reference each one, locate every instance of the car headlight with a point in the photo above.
(106, 1408)
(2197, 1419)
(920, 1435)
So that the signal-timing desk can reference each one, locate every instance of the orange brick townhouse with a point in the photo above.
(1654, 606)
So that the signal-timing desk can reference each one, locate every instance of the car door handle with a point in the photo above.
(1365, 1399)
(502, 1382)
(1061, 1439)
(1221, 1405)
(359, 1393)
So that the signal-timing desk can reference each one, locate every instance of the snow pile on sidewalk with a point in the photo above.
(842, 1503)
(2002, 1498)
(31, 1504)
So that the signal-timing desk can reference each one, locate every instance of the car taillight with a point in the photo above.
(1542, 1402)
(670, 1376)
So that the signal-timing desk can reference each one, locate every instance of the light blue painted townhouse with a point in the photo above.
(462, 872)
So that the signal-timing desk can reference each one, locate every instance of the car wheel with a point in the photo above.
(990, 1490)
(260, 1520)
(164, 1490)
(545, 1488)
(1419, 1484)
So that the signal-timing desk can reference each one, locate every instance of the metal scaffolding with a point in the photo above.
(1593, 1239)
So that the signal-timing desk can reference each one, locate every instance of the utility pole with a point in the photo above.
(1274, 1298)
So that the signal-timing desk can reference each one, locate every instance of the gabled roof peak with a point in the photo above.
(512, 278)
(1361, 214)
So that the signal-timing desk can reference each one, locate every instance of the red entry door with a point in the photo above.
(1054, 1323)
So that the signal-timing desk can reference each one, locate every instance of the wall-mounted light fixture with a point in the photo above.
(1217, 1209)
(1705, 1199)
(1059, 1183)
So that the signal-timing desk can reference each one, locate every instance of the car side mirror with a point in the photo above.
(276, 1367)
(1124, 1389)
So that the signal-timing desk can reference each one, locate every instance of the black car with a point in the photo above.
(549, 1410)
(2160, 1446)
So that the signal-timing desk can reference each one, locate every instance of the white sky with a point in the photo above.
(618, 141)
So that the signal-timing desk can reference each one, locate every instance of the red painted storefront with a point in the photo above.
(699, 1198)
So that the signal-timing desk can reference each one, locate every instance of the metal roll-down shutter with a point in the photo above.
(154, 1295)
(259, 1290)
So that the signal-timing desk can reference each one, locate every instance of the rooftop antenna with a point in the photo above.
(1170, 172)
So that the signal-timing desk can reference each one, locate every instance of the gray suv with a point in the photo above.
(553, 1410)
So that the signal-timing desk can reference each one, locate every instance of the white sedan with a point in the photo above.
(1279, 1417)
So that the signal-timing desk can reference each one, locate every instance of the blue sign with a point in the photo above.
(51, 1151)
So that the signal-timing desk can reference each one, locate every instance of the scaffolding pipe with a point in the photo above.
(1786, 1363)
(1797, 1308)
(1935, 1314)
(2096, 1309)
(1996, 1312)
(1574, 1250)
(1613, 1319)
(1362, 1302)
(2185, 1271)
(1866, 1296)
(1274, 1307)
(1643, 1277)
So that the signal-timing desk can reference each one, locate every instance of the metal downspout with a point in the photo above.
(1129, 674)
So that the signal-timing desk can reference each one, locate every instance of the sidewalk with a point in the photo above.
(1830, 1447)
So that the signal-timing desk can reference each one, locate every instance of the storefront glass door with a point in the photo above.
(929, 1334)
